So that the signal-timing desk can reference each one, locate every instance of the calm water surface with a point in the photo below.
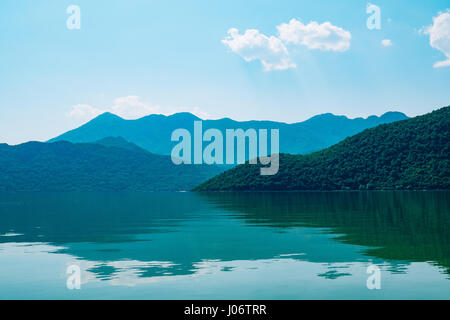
(226, 245)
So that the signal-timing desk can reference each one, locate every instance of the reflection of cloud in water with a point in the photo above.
(151, 238)
(210, 278)
(11, 234)
(130, 273)
(17, 248)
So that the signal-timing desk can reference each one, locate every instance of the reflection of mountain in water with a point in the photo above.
(410, 226)
(163, 234)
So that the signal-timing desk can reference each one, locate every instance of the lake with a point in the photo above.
(225, 245)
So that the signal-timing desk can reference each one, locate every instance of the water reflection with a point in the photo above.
(149, 236)
(408, 226)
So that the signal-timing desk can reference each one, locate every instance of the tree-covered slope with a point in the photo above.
(153, 133)
(112, 164)
(410, 154)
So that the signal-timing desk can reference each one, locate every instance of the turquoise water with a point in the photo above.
(225, 245)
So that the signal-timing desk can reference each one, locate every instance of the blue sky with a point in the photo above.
(136, 57)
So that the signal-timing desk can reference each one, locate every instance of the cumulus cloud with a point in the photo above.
(439, 34)
(129, 107)
(197, 111)
(272, 51)
(253, 45)
(84, 112)
(313, 35)
(386, 43)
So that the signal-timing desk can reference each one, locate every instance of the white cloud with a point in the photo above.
(323, 36)
(253, 45)
(131, 107)
(442, 64)
(84, 112)
(439, 34)
(198, 112)
(272, 52)
(386, 43)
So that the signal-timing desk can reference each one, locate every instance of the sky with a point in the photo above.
(255, 59)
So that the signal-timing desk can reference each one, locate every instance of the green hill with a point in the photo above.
(410, 154)
(112, 164)
(153, 132)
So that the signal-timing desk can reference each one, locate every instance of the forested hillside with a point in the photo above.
(112, 164)
(406, 155)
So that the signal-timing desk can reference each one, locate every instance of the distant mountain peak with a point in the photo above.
(390, 115)
(324, 115)
(396, 115)
(184, 116)
(180, 116)
(108, 115)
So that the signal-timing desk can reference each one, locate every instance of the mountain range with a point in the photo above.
(110, 164)
(113, 154)
(153, 132)
(407, 155)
